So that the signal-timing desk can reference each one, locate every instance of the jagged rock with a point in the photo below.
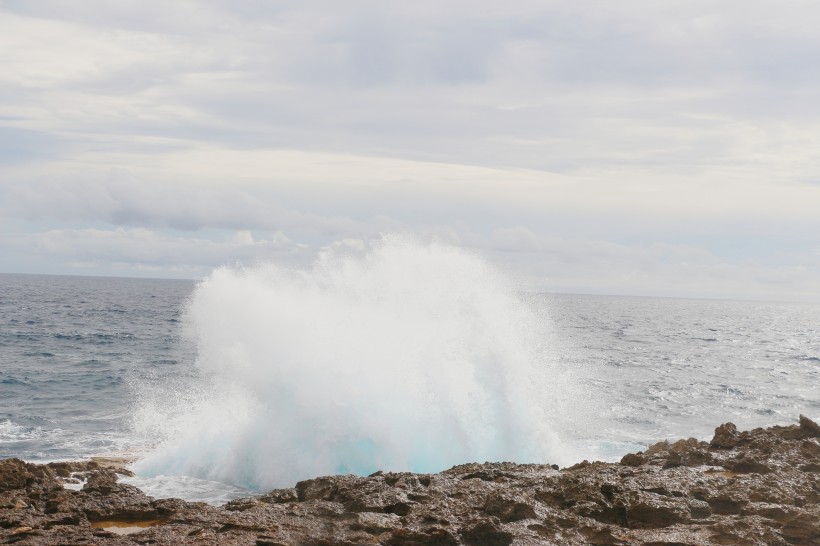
(754, 487)
(509, 507)
(726, 436)
(15, 474)
(633, 459)
(809, 428)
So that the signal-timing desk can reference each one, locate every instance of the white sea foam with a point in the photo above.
(402, 356)
(12, 432)
(188, 488)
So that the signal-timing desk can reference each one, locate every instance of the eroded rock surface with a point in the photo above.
(755, 487)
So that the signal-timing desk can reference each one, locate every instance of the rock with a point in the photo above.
(754, 487)
(279, 496)
(15, 474)
(726, 436)
(486, 533)
(747, 467)
(809, 428)
(509, 507)
(102, 481)
(633, 459)
(803, 528)
(649, 510)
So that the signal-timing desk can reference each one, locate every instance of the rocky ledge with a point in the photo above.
(756, 487)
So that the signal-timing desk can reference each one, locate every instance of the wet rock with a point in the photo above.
(753, 487)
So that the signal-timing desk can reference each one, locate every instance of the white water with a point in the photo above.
(403, 356)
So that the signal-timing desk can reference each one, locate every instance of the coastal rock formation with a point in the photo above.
(755, 487)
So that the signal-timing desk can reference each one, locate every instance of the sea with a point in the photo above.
(256, 378)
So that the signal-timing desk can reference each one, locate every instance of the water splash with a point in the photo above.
(401, 356)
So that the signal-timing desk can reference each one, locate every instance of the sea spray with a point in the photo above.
(403, 356)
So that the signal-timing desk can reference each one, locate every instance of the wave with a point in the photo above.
(395, 356)
(12, 432)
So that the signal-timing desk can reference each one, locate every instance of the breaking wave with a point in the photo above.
(397, 356)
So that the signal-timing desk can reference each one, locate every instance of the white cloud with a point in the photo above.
(588, 137)
(603, 267)
(339, 195)
(537, 262)
(140, 249)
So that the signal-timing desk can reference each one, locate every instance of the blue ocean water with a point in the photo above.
(71, 349)
(672, 368)
(79, 357)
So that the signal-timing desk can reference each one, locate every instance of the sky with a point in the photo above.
(633, 147)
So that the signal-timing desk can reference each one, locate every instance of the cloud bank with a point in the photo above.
(631, 147)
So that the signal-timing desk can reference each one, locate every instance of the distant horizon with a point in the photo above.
(525, 291)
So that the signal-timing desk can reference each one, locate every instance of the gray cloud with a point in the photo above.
(677, 135)
(118, 198)
(549, 86)
(139, 250)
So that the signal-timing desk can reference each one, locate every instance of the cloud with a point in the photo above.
(542, 132)
(122, 198)
(552, 86)
(340, 195)
(140, 249)
(591, 266)
(23, 145)
(539, 263)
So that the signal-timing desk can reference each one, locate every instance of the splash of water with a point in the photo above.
(405, 356)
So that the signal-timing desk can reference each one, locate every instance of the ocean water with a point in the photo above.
(405, 357)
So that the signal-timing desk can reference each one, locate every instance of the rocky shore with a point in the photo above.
(755, 487)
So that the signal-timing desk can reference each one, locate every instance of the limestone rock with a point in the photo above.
(726, 436)
(753, 487)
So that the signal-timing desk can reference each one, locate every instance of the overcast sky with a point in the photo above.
(631, 147)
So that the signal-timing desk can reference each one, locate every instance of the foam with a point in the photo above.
(402, 356)
(12, 432)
